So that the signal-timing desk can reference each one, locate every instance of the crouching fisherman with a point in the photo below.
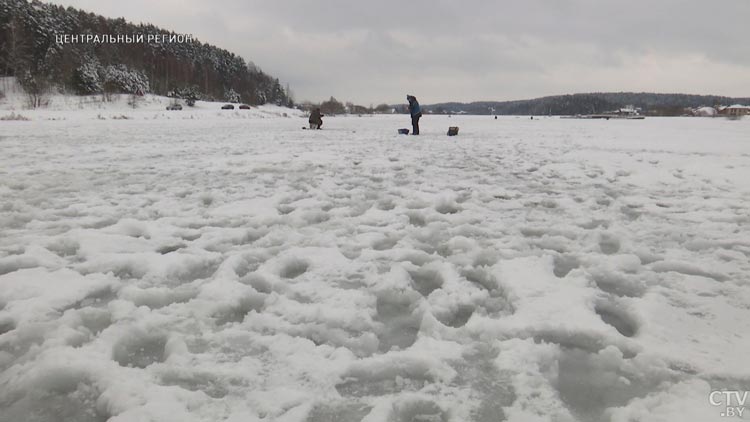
(316, 119)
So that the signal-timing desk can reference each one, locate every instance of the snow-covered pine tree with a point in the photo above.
(191, 95)
(120, 79)
(278, 96)
(232, 96)
(87, 79)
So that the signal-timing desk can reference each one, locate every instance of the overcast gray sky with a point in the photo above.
(448, 50)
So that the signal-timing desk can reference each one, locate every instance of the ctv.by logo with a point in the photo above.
(732, 402)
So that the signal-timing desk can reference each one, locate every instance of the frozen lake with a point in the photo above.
(167, 268)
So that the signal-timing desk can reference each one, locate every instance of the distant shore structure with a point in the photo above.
(628, 112)
(735, 111)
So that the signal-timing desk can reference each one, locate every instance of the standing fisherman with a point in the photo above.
(416, 113)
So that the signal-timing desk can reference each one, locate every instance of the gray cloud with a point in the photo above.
(446, 50)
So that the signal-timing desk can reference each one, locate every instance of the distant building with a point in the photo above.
(734, 110)
(628, 110)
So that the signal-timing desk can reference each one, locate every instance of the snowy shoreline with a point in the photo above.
(223, 268)
(149, 107)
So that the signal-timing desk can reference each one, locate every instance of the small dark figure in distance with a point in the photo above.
(416, 113)
(316, 119)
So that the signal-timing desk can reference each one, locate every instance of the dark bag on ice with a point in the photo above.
(453, 131)
(403, 131)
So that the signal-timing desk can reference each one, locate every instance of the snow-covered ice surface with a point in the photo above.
(200, 266)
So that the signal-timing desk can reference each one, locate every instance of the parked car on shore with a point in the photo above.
(174, 107)
(227, 107)
(244, 107)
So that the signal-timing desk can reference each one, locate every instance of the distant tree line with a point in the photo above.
(30, 51)
(650, 103)
(333, 106)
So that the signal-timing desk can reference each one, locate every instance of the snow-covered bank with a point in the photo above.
(125, 107)
(149, 107)
(217, 269)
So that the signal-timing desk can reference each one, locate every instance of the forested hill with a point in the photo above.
(650, 103)
(37, 46)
